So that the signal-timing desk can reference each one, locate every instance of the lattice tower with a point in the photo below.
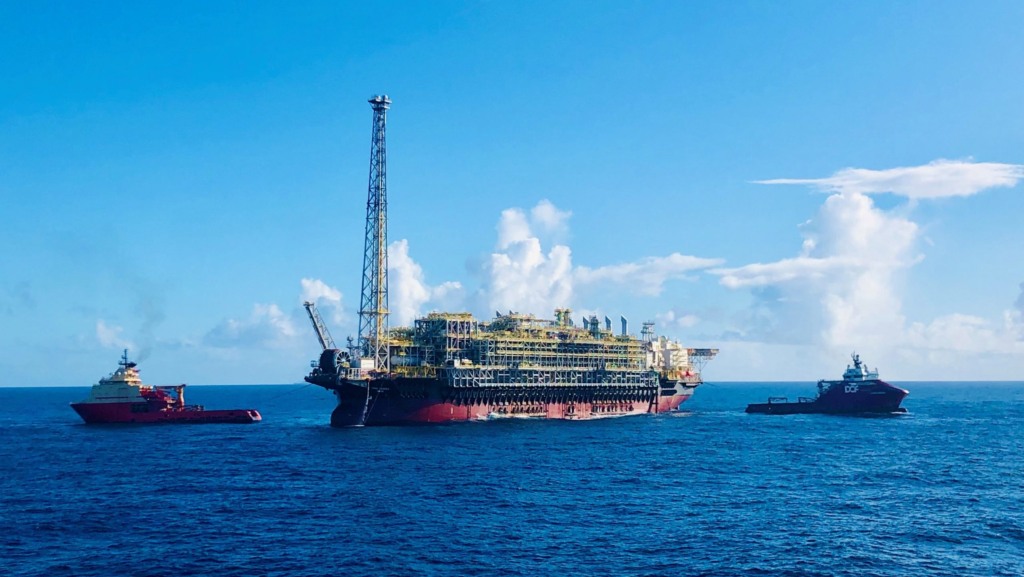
(373, 308)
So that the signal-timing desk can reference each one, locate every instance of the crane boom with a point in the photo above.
(322, 334)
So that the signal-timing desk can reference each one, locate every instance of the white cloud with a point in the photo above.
(447, 296)
(523, 277)
(549, 218)
(324, 296)
(675, 319)
(848, 237)
(958, 346)
(316, 290)
(408, 292)
(266, 327)
(940, 178)
(785, 270)
(646, 276)
(843, 289)
(110, 336)
(513, 227)
(959, 333)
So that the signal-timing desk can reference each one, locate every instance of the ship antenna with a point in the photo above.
(373, 309)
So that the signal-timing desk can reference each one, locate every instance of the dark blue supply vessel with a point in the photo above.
(860, 391)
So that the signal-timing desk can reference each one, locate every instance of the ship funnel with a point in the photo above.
(623, 325)
(607, 324)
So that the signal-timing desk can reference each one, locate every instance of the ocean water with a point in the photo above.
(708, 491)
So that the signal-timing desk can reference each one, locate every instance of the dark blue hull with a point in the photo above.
(841, 398)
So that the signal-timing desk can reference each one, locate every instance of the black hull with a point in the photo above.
(814, 409)
(841, 398)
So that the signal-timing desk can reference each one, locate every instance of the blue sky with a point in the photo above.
(786, 181)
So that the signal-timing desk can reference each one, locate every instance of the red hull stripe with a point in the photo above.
(417, 411)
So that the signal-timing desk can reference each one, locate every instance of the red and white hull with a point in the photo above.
(123, 398)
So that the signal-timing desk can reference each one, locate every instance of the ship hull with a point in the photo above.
(109, 413)
(873, 397)
(411, 401)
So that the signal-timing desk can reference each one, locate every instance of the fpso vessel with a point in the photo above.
(123, 398)
(452, 367)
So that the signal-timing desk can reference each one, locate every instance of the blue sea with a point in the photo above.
(707, 491)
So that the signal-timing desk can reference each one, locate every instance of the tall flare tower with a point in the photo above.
(373, 308)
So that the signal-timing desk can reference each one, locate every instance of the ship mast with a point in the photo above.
(373, 308)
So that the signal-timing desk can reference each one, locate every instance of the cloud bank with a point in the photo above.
(523, 277)
(646, 276)
(844, 287)
(841, 288)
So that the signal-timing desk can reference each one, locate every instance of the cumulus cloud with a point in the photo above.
(676, 319)
(266, 327)
(447, 296)
(513, 227)
(549, 218)
(843, 289)
(109, 336)
(324, 296)
(844, 281)
(270, 327)
(940, 178)
(523, 277)
(316, 290)
(646, 276)
(408, 292)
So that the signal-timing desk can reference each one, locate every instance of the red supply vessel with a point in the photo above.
(123, 398)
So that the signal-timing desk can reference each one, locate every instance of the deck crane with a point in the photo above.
(322, 334)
